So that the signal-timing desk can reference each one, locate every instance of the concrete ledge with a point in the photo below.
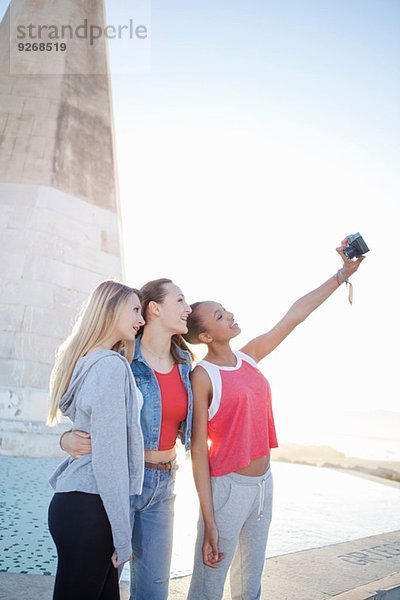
(327, 572)
(363, 569)
(387, 588)
(16, 586)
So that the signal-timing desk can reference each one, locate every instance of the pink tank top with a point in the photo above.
(240, 420)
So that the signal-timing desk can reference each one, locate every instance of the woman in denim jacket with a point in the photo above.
(161, 367)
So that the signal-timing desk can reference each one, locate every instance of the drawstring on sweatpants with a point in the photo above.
(261, 498)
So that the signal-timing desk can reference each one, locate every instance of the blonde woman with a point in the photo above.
(92, 384)
(161, 366)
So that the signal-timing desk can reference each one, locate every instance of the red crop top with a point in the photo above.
(240, 420)
(174, 406)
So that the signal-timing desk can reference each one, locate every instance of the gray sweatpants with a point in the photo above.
(243, 511)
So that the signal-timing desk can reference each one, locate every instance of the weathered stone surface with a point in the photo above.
(24, 408)
(71, 206)
(11, 264)
(16, 375)
(11, 317)
(38, 320)
(15, 218)
(73, 230)
(20, 195)
(39, 107)
(34, 146)
(71, 109)
(27, 293)
(19, 125)
(34, 439)
(279, 582)
(68, 299)
(59, 228)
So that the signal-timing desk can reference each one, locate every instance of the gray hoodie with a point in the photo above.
(103, 399)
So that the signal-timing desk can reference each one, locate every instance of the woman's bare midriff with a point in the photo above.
(157, 456)
(257, 467)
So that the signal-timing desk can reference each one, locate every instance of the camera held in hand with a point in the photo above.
(357, 247)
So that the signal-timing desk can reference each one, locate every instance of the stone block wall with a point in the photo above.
(55, 249)
(59, 231)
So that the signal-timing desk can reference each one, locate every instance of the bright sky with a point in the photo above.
(258, 135)
(262, 133)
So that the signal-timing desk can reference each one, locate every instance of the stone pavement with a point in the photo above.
(367, 568)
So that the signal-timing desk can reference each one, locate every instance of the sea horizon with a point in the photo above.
(365, 434)
(367, 447)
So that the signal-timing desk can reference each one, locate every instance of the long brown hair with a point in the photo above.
(155, 291)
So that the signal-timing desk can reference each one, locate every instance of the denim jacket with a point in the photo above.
(151, 411)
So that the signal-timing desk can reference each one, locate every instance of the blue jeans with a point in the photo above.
(152, 517)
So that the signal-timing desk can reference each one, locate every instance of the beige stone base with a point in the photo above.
(33, 439)
(55, 249)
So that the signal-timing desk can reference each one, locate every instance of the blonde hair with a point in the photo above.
(96, 320)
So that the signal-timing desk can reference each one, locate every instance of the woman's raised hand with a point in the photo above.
(350, 266)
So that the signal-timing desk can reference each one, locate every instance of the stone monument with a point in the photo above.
(59, 226)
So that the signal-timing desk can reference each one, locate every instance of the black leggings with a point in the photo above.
(81, 532)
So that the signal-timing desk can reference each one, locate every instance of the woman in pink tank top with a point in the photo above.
(233, 432)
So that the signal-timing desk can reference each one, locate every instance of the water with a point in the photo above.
(363, 446)
(370, 447)
(312, 507)
(373, 435)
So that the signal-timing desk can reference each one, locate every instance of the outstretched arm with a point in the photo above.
(201, 385)
(263, 345)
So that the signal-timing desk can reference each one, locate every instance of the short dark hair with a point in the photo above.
(194, 324)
